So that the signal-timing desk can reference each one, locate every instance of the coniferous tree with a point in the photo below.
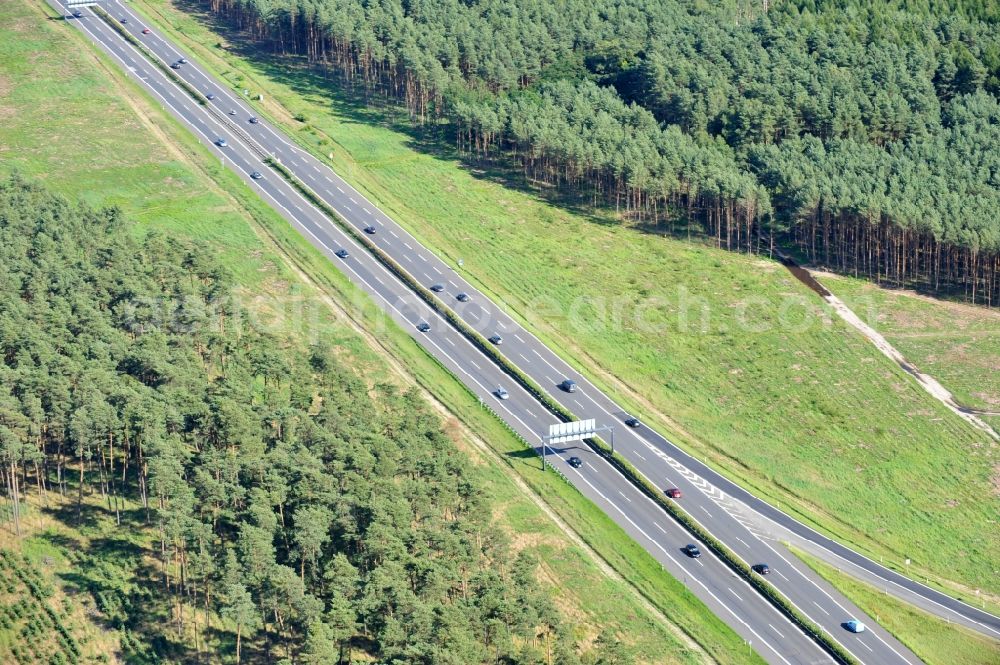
(290, 505)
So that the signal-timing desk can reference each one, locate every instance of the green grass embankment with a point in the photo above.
(934, 640)
(107, 142)
(728, 353)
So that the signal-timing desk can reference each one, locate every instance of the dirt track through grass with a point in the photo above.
(958, 343)
(740, 362)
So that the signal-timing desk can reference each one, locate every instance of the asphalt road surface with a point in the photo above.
(729, 512)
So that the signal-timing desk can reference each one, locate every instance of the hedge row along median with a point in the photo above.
(740, 567)
(149, 55)
(772, 594)
(765, 588)
(481, 342)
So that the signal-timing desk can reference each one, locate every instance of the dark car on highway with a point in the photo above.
(437, 288)
(692, 551)
(342, 253)
(496, 339)
(210, 96)
(575, 462)
(256, 175)
(463, 297)
(762, 569)
(673, 493)
(632, 422)
(77, 14)
(569, 385)
(253, 120)
(423, 326)
(370, 230)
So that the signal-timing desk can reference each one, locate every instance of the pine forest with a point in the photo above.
(290, 506)
(864, 137)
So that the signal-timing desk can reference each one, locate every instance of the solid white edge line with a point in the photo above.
(323, 216)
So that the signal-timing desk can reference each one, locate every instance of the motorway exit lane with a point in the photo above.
(424, 265)
(813, 597)
(708, 577)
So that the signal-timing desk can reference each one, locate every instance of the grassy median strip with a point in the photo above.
(149, 55)
(738, 565)
(767, 590)
(426, 294)
(794, 410)
(169, 183)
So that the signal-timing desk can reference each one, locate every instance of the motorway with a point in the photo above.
(729, 512)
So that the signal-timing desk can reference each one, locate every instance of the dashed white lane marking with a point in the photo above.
(776, 630)
(393, 233)
(327, 179)
(821, 608)
(736, 594)
(591, 467)
(710, 592)
(531, 414)
(659, 527)
(448, 339)
(675, 562)
(339, 189)
(625, 497)
(475, 364)
(352, 200)
(407, 245)
(699, 562)
(742, 541)
(367, 211)
(706, 512)
(865, 645)
(782, 576)
(640, 457)
(518, 338)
